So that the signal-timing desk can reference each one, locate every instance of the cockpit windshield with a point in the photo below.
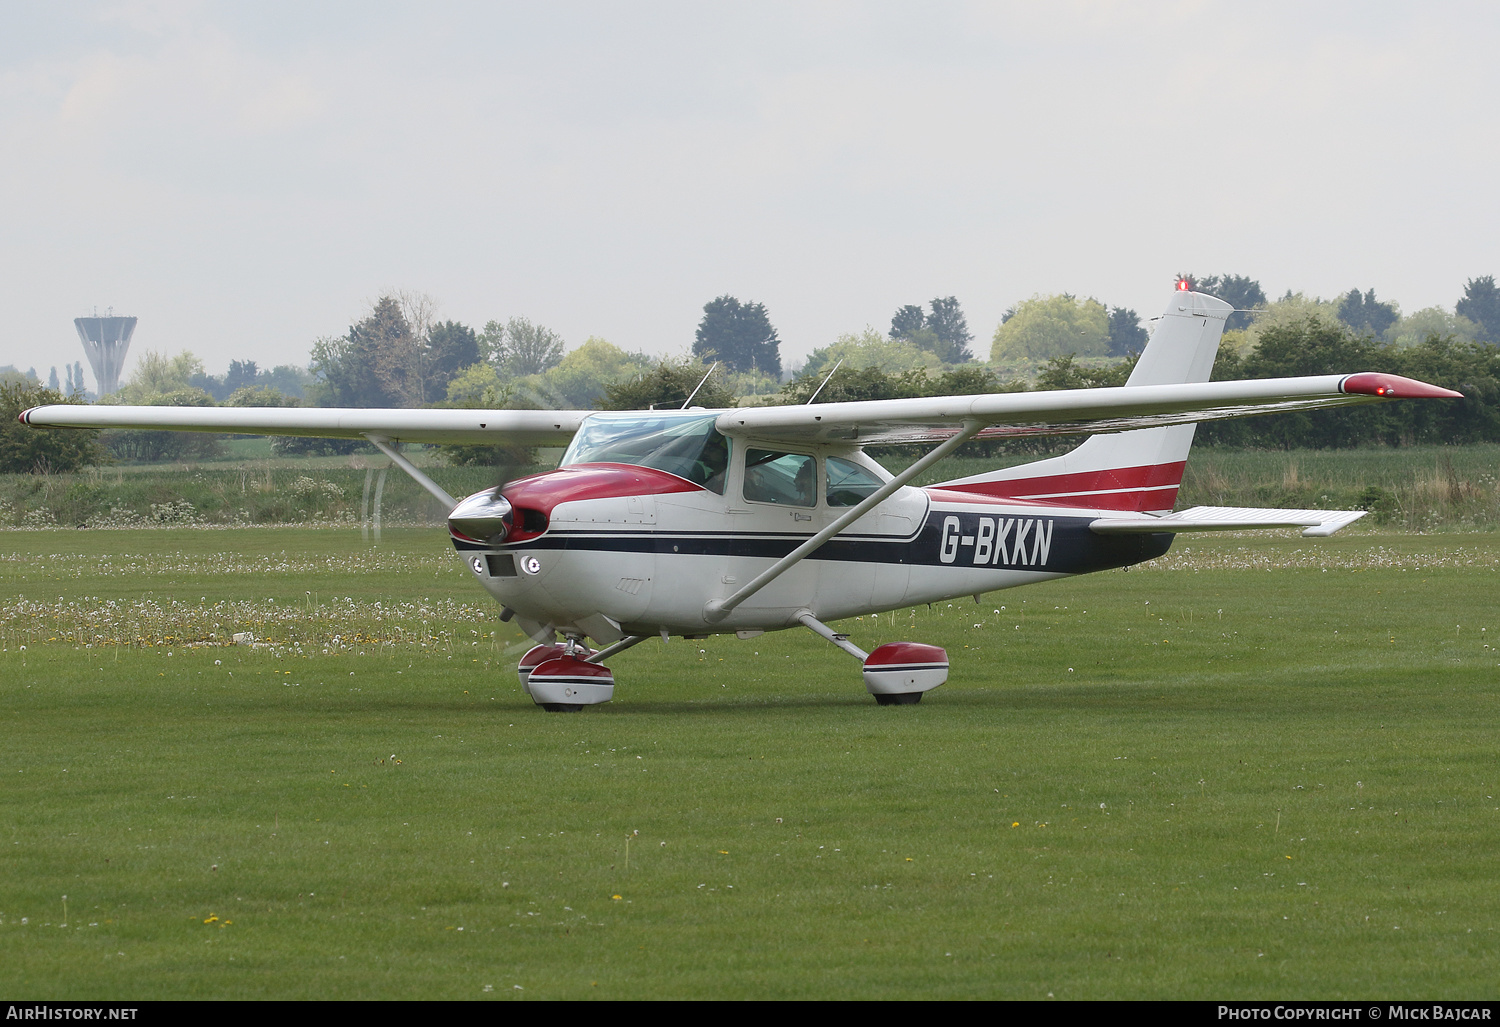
(686, 445)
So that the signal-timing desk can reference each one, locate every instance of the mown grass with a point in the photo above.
(1265, 769)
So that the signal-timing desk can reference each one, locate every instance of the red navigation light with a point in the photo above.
(1393, 386)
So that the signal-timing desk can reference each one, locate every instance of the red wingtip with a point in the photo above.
(1393, 386)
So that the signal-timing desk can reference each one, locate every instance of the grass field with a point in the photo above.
(1260, 768)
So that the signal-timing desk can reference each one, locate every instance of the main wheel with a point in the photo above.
(561, 707)
(898, 698)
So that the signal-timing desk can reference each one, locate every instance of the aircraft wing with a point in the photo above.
(1314, 523)
(1061, 412)
(523, 427)
(1066, 411)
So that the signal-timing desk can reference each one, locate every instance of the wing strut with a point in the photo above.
(718, 609)
(383, 444)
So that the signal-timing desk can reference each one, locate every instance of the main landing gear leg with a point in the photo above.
(897, 673)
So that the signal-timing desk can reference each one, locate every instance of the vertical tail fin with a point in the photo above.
(1134, 470)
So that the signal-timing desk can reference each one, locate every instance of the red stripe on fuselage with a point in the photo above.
(1149, 487)
(938, 495)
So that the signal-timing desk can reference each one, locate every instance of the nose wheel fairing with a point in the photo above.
(568, 683)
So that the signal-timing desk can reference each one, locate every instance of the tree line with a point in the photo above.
(401, 355)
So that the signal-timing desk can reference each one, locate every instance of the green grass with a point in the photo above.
(1275, 780)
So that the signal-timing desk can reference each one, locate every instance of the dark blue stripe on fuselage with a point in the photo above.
(1061, 545)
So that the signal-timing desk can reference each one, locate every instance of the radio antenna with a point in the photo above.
(700, 385)
(824, 382)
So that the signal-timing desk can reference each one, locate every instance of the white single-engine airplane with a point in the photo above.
(698, 522)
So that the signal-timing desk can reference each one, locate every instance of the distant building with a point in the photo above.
(106, 340)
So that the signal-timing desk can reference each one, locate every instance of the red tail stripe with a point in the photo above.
(1146, 476)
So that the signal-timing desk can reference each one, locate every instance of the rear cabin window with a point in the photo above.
(848, 483)
(786, 479)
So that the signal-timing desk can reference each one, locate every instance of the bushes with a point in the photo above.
(1315, 347)
(224, 496)
(26, 450)
(149, 447)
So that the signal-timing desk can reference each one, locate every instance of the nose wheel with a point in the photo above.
(566, 678)
(898, 698)
(566, 684)
(538, 655)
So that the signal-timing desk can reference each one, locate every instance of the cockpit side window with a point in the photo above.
(787, 479)
(687, 446)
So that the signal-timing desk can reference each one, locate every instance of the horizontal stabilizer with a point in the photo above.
(1314, 523)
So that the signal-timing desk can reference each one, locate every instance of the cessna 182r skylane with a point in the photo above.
(697, 522)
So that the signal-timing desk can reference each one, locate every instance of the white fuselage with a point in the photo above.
(638, 564)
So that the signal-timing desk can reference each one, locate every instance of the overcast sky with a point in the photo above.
(248, 177)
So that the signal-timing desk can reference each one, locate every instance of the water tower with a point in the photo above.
(106, 341)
